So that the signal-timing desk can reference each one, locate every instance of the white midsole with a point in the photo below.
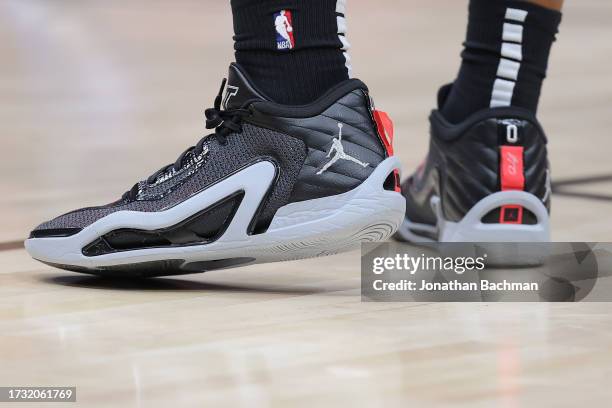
(299, 230)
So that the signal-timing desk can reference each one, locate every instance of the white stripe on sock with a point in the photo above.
(502, 93)
(348, 65)
(341, 6)
(513, 32)
(509, 65)
(516, 15)
(508, 69)
(511, 50)
(342, 30)
(345, 44)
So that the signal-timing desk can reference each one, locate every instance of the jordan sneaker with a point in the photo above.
(272, 183)
(484, 180)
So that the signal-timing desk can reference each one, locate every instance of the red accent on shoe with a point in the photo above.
(511, 168)
(512, 176)
(398, 187)
(384, 124)
(511, 214)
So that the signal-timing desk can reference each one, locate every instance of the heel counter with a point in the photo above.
(496, 155)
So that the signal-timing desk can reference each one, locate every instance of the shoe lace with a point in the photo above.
(224, 122)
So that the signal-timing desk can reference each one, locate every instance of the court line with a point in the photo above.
(558, 187)
(583, 180)
(588, 196)
(11, 245)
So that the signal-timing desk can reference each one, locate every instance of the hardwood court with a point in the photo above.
(97, 95)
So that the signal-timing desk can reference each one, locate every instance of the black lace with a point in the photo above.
(224, 122)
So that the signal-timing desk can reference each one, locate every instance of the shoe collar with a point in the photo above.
(451, 131)
(241, 92)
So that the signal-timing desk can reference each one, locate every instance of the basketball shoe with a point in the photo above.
(272, 183)
(484, 180)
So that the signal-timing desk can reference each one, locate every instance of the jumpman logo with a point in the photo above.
(338, 149)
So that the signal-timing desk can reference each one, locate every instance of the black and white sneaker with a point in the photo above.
(484, 180)
(273, 183)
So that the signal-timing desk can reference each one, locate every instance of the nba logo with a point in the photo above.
(284, 30)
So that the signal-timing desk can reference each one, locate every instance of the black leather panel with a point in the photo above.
(359, 140)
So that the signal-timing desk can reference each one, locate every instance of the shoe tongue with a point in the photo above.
(239, 91)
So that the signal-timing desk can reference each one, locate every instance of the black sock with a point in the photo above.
(296, 70)
(505, 57)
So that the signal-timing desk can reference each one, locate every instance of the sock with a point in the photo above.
(294, 50)
(505, 57)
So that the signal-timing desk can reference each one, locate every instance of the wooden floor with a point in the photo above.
(96, 95)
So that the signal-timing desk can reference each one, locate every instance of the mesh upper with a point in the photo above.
(218, 162)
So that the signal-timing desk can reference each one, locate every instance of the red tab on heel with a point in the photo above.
(384, 125)
(512, 177)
